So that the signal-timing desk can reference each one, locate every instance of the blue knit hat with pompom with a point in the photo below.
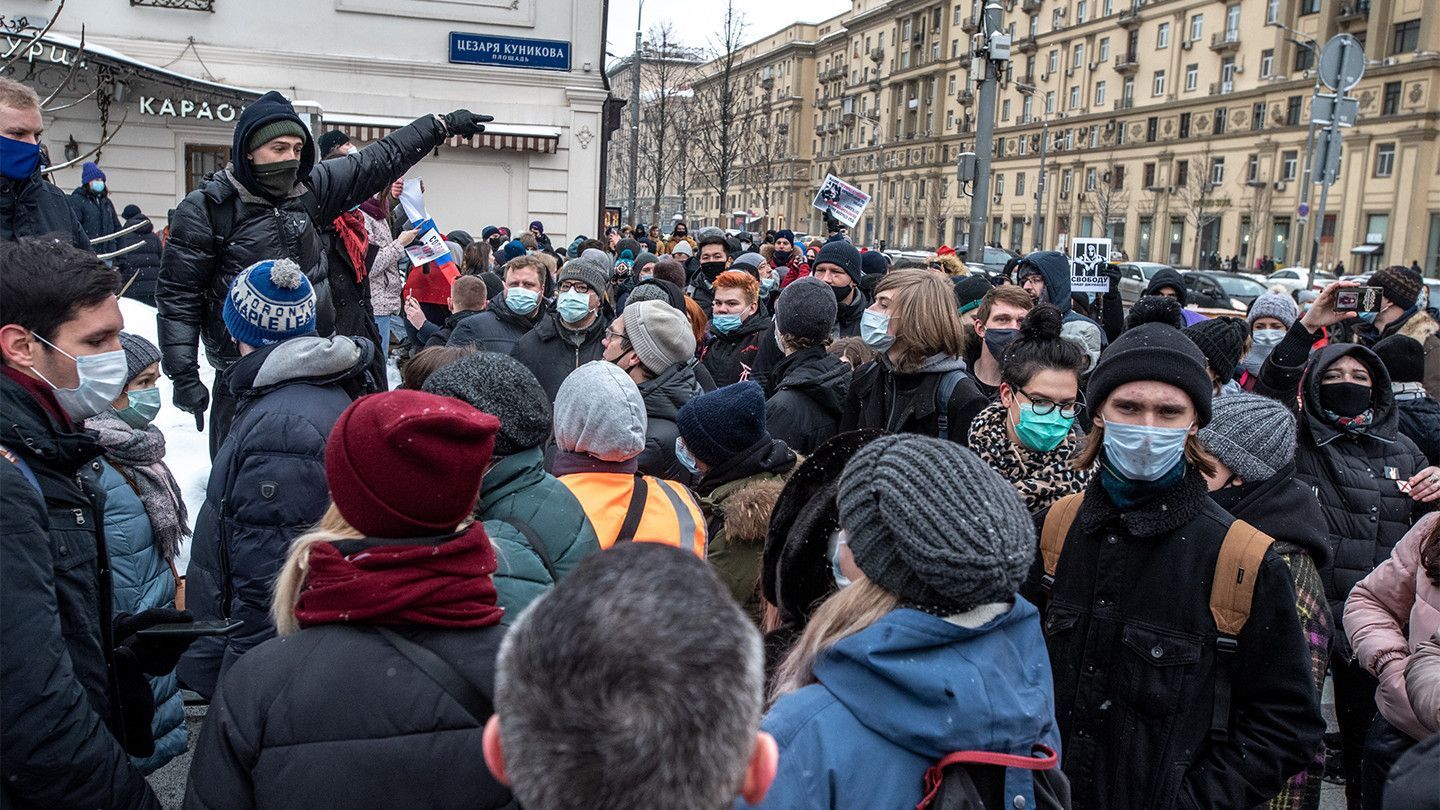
(271, 301)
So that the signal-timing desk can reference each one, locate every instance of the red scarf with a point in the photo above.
(437, 585)
(351, 228)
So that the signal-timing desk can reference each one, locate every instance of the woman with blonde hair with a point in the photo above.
(388, 628)
(918, 381)
(945, 261)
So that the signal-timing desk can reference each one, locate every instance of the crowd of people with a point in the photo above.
(696, 520)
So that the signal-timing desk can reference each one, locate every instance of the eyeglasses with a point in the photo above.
(574, 286)
(936, 266)
(1043, 406)
(611, 334)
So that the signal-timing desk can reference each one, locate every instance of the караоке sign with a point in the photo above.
(483, 49)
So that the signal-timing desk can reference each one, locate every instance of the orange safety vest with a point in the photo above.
(670, 515)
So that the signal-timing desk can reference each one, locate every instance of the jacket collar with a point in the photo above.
(28, 427)
(1162, 514)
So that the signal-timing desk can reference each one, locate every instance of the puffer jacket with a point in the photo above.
(1389, 614)
(881, 397)
(1422, 683)
(199, 264)
(97, 216)
(141, 579)
(142, 263)
(744, 490)
(386, 278)
(267, 486)
(1419, 418)
(336, 716)
(551, 351)
(663, 397)
(498, 328)
(847, 317)
(1417, 324)
(810, 388)
(34, 208)
(729, 358)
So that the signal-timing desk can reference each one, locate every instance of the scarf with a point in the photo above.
(137, 455)
(1040, 478)
(377, 208)
(1360, 423)
(1128, 494)
(351, 227)
(440, 583)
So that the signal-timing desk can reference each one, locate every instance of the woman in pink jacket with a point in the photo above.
(1401, 593)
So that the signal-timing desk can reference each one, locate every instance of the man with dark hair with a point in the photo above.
(715, 255)
(74, 701)
(576, 679)
(30, 205)
(810, 383)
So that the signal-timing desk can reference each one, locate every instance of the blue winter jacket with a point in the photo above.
(141, 579)
(895, 698)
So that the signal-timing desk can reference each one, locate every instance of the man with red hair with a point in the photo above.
(736, 328)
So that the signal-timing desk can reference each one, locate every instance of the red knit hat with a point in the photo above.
(408, 464)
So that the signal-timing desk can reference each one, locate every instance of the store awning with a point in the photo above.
(1368, 250)
(516, 137)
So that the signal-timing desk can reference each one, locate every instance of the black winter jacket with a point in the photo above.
(55, 637)
(498, 328)
(142, 263)
(199, 264)
(1420, 421)
(551, 351)
(96, 214)
(335, 716)
(663, 397)
(432, 335)
(885, 399)
(34, 208)
(267, 486)
(730, 358)
(1133, 652)
(804, 412)
(847, 317)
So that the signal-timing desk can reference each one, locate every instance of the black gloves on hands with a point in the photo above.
(192, 397)
(465, 123)
(153, 656)
(134, 709)
(1112, 272)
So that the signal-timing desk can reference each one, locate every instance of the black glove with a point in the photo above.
(154, 656)
(1112, 272)
(466, 123)
(134, 709)
(191, 396)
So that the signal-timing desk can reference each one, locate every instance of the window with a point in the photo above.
(949, 120)
(1182, 172)
(1184, 125)
(202, 160)
(1377, 226)
(1091, 177)
(1252, 169)
(1066, 177)
(1222, 117)
(1292, 111)
(1052, 61)
(1117, 178)
(1197, 27)
(1020, 184)
(1077, 56)
(1391, 104)
(1304, 58)
(1267, 63)
(1075, 98)
(1406, 38)
(1385, 160)
(1107, 8)
(1159, 84)
(1050, 102)
(999, 185)
(1148, 175)
(1309, 6)
(1232, 22)
(1152, 127)
(1217, 171)
(1257, 116)
(1192, 77)
(950, 86)
(1289, 159)
(954, 48)
(1057, 19)
(1104, 49)
(1162, 35)
(1099, 94)
(1027, 108)
(1081, 8)
(959, 10)
(1272, 11)
(1005, 110)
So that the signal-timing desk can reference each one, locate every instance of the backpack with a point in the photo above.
(943, 392)
(1231, 592)
(984, 780)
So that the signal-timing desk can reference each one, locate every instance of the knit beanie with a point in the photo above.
(970, 291)
(841, 254)
(537, 226)
(682, 248)
(657, 289)
(1399, 285)
(599, 412)
(873, 262)
(132, 210)
(724, 423)
(90, 170)
(488, 231)
(594, 272)
(1403, 356)
(659, 333)
(1252, 435)
(330, 141)
(1157, 353)
(275, 129)
(645, 257)
(511, 250)
(268, 302)
(1155, 309)
(930, 522)
(140, 354)
(806, 309)
(786, 234)
(1222, 341)
(503, 387)
(749, 262)
(408, 464)
(1279, 306)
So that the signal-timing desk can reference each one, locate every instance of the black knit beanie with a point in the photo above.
(1221, 340)
(1152, 352)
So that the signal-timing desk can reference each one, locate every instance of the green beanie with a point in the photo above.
(273, 130)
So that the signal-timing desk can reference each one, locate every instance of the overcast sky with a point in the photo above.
(697, 21)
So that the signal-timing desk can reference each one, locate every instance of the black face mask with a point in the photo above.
(496, 241)
(841, 293)
(997, 340)
(712, 270)
(682, 232)
(277, 180)
(782, 257)
(1229, 497)
(1345, 398)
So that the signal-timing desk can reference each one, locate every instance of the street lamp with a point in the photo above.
(1040, 196)
(635, 113)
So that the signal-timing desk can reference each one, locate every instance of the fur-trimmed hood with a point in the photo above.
(747, 511)
(1419, 326)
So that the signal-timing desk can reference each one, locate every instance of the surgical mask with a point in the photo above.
(841, 293)
(767, 285)
(1368, 317)
(1042, 432)
(875, 330)
(277, 180)
(1262, 342)
(18, 160)
(522, 301)
(725, 324)
(682, 454)
(144, 404)
(98, 186)
(1345, 398)
(102, 378)
(573, 306)
(712, 269)
(837, 542)
(997, 340)
(1142, 452)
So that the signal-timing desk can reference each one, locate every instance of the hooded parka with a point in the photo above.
(810, 388)
(34, 208)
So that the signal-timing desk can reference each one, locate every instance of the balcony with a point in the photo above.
(1124, 104)
(877, 55)
(1225, 41)
(837, 72)
(1353, 12)
(1222, 88)
(969, 25)
(1129, 18)
(1027, 44)
(1032, 6)
(1126, 63)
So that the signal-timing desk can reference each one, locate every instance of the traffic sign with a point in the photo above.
(1326, 108)
(1327, 156)
(1342, 62)
(1304, 209)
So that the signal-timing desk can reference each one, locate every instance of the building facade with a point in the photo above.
(1178, 127)
(167, 78)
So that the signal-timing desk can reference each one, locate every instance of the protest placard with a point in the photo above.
(1088, 258)
(844, 201)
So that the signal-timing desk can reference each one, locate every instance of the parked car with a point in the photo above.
(1298, 278)
(992, 259)
(1135, 277)
(1210, 290)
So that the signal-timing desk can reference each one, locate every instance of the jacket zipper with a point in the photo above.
(224, 548)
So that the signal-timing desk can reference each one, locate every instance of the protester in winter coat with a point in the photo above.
(93, 207)
(713, 257)
(810, 383)
(140, 267)
(386, 278)
(926, 650)
(918, 382)
(1271, 315)
(737, 328)
(996, 323)
(389, 591)
(1029, 435)
(266, 487)
(537, 527)
(1139, 660)
(652, 343)
(600, 432)
(1250, 443)
(571, 335)
(1045, 274)
(1422, 682)
(466, 299)
(1411, 785)
(1389, 614)
(513, 313)
(1404, 358)
(73, 696)
(30, 205)
(739, 469)
(839, 265)
(1222, 341)
(1400, 314)
(1168, 282)
(145, 523)
(788, 259)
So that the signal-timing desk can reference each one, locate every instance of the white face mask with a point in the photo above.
(102, 378)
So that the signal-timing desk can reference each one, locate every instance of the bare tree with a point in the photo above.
(1109, 200)
(716, 108)
(1197, 201)
(669, 81)
(938, 205)
(1257, 208)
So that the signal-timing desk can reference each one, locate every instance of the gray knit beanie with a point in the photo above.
(930, 522)
(659, 333)
(595, 274)
(140, 354)
(646, 292)
(599, 412)
(1252, 435)
(503, 387)
(806, 309)
(1279, 306)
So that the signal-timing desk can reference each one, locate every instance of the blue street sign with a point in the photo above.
(1304, 210)
(483, 49)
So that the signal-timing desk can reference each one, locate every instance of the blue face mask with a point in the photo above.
(1368, 317)
(573, 306)
(725, 324)
(1042, 432)
(18, 160)
(682, 454)
(144, 405)
(767, 285)
(1141, 452)
(875, 330)
(837, 542)
(523, 302)
(98, 186)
